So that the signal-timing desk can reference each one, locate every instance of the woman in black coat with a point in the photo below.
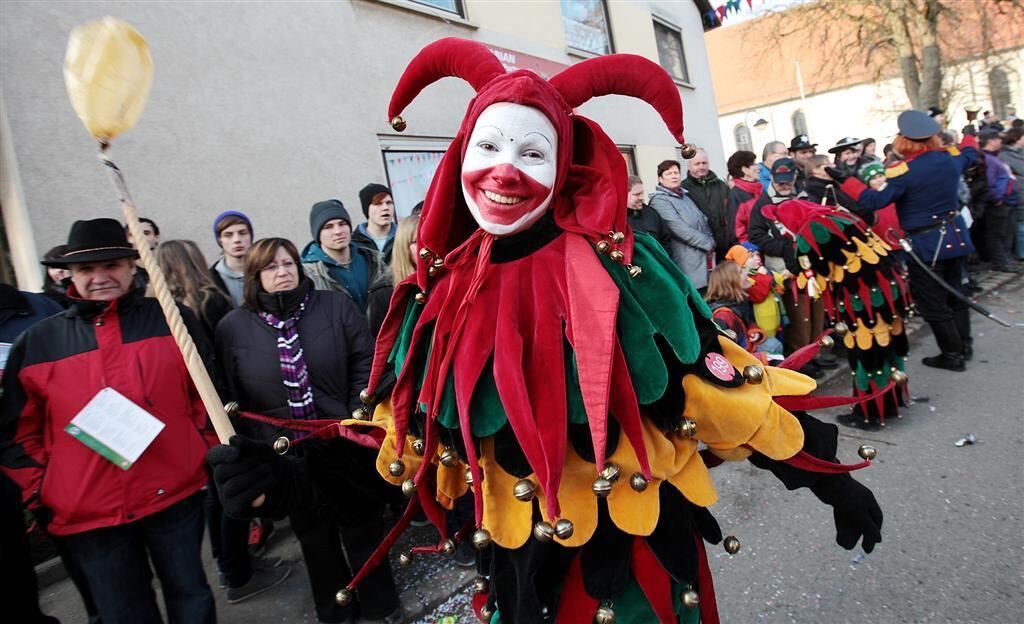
(292, 352)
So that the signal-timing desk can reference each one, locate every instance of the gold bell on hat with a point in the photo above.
(524, 490)
(543, 531)
(867, 452)
(604, 615)
(617, 256)
(232, 408)
(898, 377)
(634, 270)
(826, 342)
(564, 529)
(638, 482)
(481, 539)
(603, 247)
(396, 468)
(421, 298)
(367, 397)
(732, 545)
(281, 445)
(408, 488)
(610, 472)
(405, 559)
(398, 123)
(448, 548)
(344, 596)
(690, 599)
(687, 150)
(419, 446)
(425, 254)
(753, 374)
(617, 237)
(841, 329)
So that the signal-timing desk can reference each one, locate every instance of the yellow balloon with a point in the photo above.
(108, 72)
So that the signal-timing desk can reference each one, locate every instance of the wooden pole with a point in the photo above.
(194, 363)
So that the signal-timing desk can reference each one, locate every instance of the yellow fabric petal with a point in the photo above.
(866, 253)
(694, 482)
(451, 482)
(508, 519)
(576, 499)
(727, 418)
(387, 454)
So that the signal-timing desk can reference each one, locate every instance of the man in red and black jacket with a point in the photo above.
(113, 521)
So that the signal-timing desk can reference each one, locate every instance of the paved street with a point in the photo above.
(954, 517)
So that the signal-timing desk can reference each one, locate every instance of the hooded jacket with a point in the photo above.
(317, 265)
(56, 367)
(711, 195)
(691, 240)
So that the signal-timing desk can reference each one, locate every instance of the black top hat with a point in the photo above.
(917, 125)
(94, 241)
(844, 143)
(801, 142)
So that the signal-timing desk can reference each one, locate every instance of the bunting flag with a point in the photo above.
(731, 7)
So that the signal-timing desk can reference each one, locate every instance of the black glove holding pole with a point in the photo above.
(837, 175)
(246, 469)
(857, 514)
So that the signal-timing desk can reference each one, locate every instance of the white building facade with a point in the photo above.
(268, 108)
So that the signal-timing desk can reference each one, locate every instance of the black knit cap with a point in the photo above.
(94, 240)
(368, 192)
(323, 212)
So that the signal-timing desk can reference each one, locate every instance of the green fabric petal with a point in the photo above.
(821, 233)
(861, 379)
(877, 299)
(802, 245)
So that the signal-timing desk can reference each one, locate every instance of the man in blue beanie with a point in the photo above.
(334, 263)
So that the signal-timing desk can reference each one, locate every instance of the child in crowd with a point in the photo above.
(728, 296)
(886, 224)
(762, 288)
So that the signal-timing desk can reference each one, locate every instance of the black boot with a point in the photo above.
(952, 347)
(962, 320)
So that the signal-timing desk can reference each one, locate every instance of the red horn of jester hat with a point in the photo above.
(584, 151)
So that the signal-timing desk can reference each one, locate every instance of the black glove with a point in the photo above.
(246, 468)
(837, 175)
(856, 511)
(969, 130)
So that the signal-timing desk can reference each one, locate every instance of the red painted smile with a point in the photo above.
(504, 194)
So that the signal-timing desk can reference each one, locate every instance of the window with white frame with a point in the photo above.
(799, 120)
(410, 165)
(629, 155)
(586, 26)
(670, 50)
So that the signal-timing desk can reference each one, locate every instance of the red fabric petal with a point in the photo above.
(575, 606)
(705, 586)
(810, 463)
(654, 581)
(626, 411)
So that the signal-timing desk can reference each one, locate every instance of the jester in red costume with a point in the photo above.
(865, 293)
(562, 369)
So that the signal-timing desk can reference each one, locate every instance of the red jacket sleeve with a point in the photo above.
(743, 219)
(761, 288)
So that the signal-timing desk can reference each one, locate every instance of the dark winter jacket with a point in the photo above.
(336, 344)
(56, 367)
(712, 197)
(362, 238)
(1014, 159)
(776, 247)
(646, 220)
(317, 265)
(19, 311)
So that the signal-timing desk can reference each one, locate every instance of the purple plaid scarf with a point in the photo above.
(293, 364)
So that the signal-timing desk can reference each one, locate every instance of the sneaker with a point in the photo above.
(262, 579)
(259, 535)
(263, 563)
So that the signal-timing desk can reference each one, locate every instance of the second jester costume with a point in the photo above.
(562, 369)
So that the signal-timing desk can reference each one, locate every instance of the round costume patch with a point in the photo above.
(719, 366)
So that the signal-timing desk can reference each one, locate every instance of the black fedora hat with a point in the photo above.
(844, 143)
(94, 241)
(801, 142)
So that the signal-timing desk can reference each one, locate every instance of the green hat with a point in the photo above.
(870, 170)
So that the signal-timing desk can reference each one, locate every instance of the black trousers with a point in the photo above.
(932, 301)
(333, 554)
(998, 231)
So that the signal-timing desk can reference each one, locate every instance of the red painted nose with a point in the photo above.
(506, 175)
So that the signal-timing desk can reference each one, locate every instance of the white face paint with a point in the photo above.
(508, 174)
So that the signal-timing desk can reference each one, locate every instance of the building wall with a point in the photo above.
(870, 110)
(270, 107)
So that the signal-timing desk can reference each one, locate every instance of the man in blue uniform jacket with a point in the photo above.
(924, 188)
